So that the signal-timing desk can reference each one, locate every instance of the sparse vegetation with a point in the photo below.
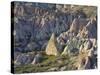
(49, 62)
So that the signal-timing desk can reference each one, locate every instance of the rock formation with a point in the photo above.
(37, 59)
(72, 32)
(51, 47)
(75, 26)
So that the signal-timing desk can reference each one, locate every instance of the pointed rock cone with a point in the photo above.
(75, 26)
(51, 47)
(65, 52)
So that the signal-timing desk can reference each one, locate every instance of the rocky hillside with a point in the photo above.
(72, 31)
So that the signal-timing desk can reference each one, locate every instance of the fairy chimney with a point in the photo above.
(51, 46)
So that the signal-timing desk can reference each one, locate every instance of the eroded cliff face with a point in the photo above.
(34, 23)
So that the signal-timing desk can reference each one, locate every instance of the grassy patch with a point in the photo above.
(48, 62)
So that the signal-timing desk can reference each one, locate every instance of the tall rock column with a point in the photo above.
(51, 47)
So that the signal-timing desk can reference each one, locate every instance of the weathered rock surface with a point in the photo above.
(36, 21)
(51, 47)
(37, 59)
(87, 44)
(70, 32)
(23, 59)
